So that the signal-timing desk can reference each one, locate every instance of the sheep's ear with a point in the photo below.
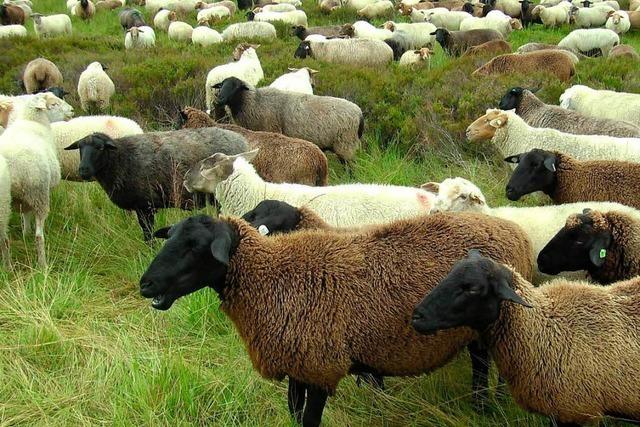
(73, 146)
(506, 293)
(432, 187)
(217, 86)
(550, 163)
(598, 251)
(513, 159)
(248, 155)
(499, 121)
(162, 233)
(474, 254)
(40, 103)
(109, 145)
(221, 247)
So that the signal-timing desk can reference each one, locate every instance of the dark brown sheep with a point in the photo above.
(280, 158)
(551, 62)
(317, 305)
(11, 15)
(455, 43)
(493, 47)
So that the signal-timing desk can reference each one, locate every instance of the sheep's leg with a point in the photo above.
(316, 399)
(295, 399)
(480, 373)
(5, 250)
(42, 256)
(146, 220)
(26, 223)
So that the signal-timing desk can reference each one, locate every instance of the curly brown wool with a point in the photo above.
(493, 47)
(309, 304)
(280, 158)
(553, 62)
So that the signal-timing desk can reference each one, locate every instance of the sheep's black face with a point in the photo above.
(250, 16)
(228, 89)
(441, 36)
(575, 247)
(536, 171)
(511, 99)
(271, 216)
(195, 255)
(303, 50)
(469, 296)
(298, 31)
(92, 149)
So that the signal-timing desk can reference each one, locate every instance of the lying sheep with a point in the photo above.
(84, 9)
(369, 311)
(142, 173)
(455, 43)
(577, 343)
(294, 17)
(364, 30)
(246, 31)
(139, 37)
(553, 16)
(41, 74)
(163, 18)
(603, 243)
(510, 134)
(11, 15)
(331, 123)
(602, 103)
(66, 133)
(278, 7)
(108, 5)
(95, 87)
(618, 22)
(279, 159)
(180, 31)
(532, 47)
(538, 114)
(451, 20)
(51, 26)
(624, 51)
(130, 18)
(414, 58)
(592, 17)
(551, 62)
(376, 10)
(418, 35)
(503, 24)
(27, 145)
(12, 31)
(328, 31)
(297, 80)
(205, 36)
(493, 47)
(212, 15)
(358, 52)
(587, 40)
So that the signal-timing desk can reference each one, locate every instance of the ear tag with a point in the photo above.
(264, 231)
(603, 253)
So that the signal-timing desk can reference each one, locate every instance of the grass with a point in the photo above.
(78, 346)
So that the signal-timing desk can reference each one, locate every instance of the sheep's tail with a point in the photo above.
(361, 126)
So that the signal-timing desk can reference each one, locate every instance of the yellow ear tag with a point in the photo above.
(603, 253)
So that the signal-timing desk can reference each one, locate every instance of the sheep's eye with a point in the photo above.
(462, 197)
(579, 243)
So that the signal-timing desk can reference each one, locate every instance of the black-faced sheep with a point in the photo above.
(369, 288)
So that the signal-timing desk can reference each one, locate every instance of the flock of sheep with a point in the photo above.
(375, 280)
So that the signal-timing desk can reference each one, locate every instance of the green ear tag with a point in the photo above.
(603, 253)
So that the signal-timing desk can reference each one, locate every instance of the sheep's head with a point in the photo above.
(190, 117)
(208, 173)
(92, 154)
(442, 36)
(581, 244)
(6, 107)
(471, 295)
(484, 128)
(511, 100)
(456, 195)
(535, 12)
(251, 15)
(424, 53)
(615, 17)
(404, 9)
(347, 30)
(242, 48)
(535, 171)
(200, 5)
(172, 16)
(299, 31)
(273, 216)
(196, 254)
(303, 50)
(515, 24)
(389, 25)
(135, 32)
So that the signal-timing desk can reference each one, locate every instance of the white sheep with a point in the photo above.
(294, 17)
(421, 15)
(163, 18)
(247, 69)
(57, 112)
(50, 26)
(212, 14)
(589, 17)
(11, 31)
(364, 30)
(451, 20)
(374, 10)
(298, 80)
(245, 31)
(180, 31)
(27, 145)
(139, 37)
(585, 40)
(66, 133)
(553, 16)
(95, 86)
(618, 22)
(240, 189)
(418, 34)
(511, 8)
(358, 52)
(359, 4)
(412, 58)
(512, 135)
(493, 21)
(205, 36)
(296, 3)
(602, 103)
(281, 7)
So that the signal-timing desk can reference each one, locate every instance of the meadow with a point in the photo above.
(79, 346)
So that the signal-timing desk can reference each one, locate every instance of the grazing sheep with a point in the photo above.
(415, 58)
(143, 173)
(455, 43)
(56, 111)
(205, 36)
(130, 18)
(532, 47)
(51, 26)
(377, 9)
(11, 31)
(163, 18)
(331, 123)
(603, 243)
(618, 22)
(246, 31)
(329, 6)
(451, 20)
(328, 31)
(297, 80)
(591, 17)
(567, 180)
(358, 52)
(503, 24)
(538, 114)
(84, 9)
(510, 134)
(95, 86)
(11, 15)
(568, 349)
(212, 15)
(587, 40)
(624, 51)
(418, 34)
(66, 133)
(553, 16)
(602, 103)
(527, 17)
(510, 8)
(493, 47)
(551, 62)
(294, 17)
(369, 309)
(139, 37)
(280, 158)
(41, 74)
(108, 5)
(27, 145)
(246, 67)
(180, 31)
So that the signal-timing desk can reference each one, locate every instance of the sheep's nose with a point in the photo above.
(511, 193)
(146, 287)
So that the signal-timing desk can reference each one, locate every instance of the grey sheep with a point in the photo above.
(455, 43)
(130, 18)
(538, 114)
(360, 52)
(303, 32)
(331, 123)
(144, 173)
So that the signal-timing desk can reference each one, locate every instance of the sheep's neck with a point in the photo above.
(528, 104)
(507, 137)
(241, 191)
